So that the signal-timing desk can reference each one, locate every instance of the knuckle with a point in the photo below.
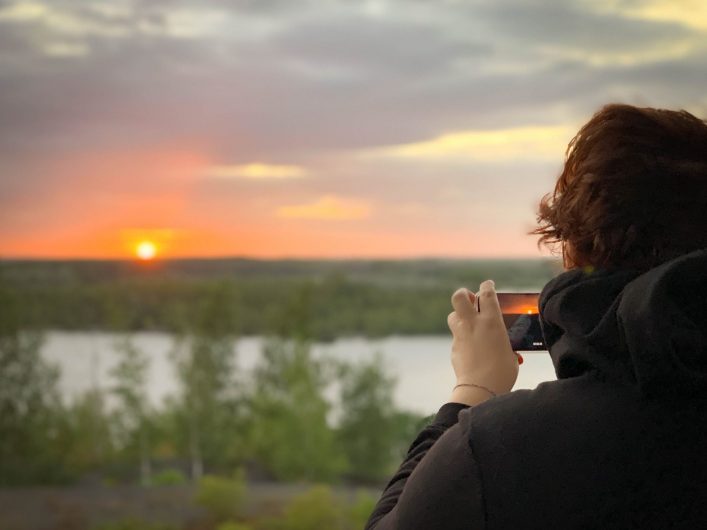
(490, 315)
(486, 318)
(459, 294)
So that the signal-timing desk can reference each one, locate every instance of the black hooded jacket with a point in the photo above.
(618, 441)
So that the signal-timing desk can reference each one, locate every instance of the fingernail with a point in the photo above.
(520, 358)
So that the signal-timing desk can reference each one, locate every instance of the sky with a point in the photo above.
(329, 128)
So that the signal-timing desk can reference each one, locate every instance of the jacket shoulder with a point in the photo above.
(585, 453)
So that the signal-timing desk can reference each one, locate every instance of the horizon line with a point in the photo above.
(242, 257)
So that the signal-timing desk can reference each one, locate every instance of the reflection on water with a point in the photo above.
(421, 364)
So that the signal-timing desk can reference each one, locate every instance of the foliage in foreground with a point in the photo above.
(133, 524)
(222, 497)
(278, 423)
(318, 508)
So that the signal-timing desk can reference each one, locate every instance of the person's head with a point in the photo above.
(633, 191)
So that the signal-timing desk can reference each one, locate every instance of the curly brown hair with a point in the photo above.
(633, 190)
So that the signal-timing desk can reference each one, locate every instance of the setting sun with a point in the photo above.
(146, 250)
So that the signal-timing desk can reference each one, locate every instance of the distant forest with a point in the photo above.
(333, 297)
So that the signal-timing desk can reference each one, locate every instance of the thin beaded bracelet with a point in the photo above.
(477, 386)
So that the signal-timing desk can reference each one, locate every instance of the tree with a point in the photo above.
(130, 375)
(205, 361)
(372, 432)
(29, 402)
(289, 433)
(89, 434)
(367, 425)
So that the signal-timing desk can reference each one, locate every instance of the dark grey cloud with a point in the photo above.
(568, 26)
(377, 48)
(354, 79)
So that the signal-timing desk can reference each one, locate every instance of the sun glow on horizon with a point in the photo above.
(146, 250)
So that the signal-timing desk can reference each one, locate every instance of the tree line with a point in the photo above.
(365, 298)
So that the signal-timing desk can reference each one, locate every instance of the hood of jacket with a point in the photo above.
(643, 329)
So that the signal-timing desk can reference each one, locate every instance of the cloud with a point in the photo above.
(329, 208)
(65, 49)
(65, 21)
(23, 11)
(689, 13)
(257, 171)
(588, 32)
(377, 48)
(329, 77)
(524, 143)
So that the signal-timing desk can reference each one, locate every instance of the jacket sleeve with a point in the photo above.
(438, 485)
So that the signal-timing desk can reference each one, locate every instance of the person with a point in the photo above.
(619, 440)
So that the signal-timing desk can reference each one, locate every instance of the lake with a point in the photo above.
(420, 363)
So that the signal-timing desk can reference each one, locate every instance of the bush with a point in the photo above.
(133, 524)
(316, 509)
(361, 510)
(222, 497)
(169, 477)
(270, 522)
(230, 525)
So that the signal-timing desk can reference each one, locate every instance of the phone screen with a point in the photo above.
(520, 314)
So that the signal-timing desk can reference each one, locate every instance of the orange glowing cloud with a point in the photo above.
(328, 207)
(257, 171)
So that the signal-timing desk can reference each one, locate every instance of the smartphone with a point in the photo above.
(520, 314)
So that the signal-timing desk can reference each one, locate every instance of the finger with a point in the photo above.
(463, 303)
(473, 300)
(452, 319)
(488, 300)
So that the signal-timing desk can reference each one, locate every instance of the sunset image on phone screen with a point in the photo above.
(520, 315)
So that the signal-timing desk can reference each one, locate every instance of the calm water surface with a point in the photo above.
(420, 364)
